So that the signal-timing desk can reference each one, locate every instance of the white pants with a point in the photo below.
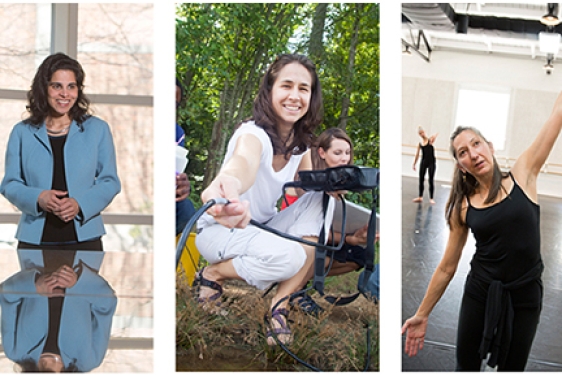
(262, 258)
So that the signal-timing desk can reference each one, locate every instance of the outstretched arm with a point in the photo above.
(529, 164)
(235, 177)
(415, 327)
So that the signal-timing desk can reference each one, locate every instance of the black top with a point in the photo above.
(506, 267)
(55, 230)
(507, 236)
(428, 153)
(52, 260)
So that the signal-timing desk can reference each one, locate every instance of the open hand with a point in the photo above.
(415, 329)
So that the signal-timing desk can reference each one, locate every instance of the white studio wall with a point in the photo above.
(429, 99)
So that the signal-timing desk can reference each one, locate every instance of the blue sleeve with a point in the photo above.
(179, 134)
(14, 186)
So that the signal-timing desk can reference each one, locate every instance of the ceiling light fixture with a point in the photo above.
(551, 18)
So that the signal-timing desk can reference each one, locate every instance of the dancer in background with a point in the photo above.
(428, 163)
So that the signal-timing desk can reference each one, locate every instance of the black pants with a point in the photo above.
(431, 168)
(469, 336)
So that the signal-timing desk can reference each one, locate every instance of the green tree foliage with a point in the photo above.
(223, 49)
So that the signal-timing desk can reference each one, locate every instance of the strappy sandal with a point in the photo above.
(201, 281)
(282, 333)
(308, 305)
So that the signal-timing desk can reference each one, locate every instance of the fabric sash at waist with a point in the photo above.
(498, 321)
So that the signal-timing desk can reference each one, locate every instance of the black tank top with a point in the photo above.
(428, 153)
(507, 245)
(506, 268)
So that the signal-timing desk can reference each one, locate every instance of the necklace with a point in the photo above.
(63, 130)
(55, 132)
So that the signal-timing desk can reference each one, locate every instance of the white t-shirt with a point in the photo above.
(267, 188)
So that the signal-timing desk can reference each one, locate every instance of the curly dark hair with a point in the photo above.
(265, 117)
(38, 105)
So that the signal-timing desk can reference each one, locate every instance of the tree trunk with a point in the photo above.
(216, 146)
(316, 45)
(350, 68)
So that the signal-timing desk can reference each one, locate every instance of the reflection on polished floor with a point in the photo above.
(424, 236)
(121, 296)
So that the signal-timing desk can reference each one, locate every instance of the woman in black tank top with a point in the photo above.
(503, 291)
(427, 164)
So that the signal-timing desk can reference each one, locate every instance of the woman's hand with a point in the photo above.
(65, 277)
(50, 200)
(359, 237)
(236, 214)
(415, 329)
(337, 194)
(183, 187)
(46, 285)
(67, 210)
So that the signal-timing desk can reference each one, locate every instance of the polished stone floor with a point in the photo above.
(424, 235)
(129, 276)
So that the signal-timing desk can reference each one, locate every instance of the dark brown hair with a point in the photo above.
(38, 104)
(265, 117)
(324, 141)
(464, 184)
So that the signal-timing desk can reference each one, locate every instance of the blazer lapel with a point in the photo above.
(41, 135)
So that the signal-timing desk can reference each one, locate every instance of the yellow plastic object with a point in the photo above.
(189, 258)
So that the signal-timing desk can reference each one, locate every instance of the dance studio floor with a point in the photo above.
(424, 236)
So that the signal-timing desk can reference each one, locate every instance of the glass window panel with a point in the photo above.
(115, 47)
(132, 131)
(26, 38)
(486, 111)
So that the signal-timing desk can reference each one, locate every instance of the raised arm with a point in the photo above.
(415, 327)
(235, 177)
(432, 138)
(529, 164)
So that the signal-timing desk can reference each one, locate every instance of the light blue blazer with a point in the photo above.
(90, 168)
(86, 318)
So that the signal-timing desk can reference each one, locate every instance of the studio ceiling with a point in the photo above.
(491, 28)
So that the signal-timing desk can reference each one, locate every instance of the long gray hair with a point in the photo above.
(464, 184)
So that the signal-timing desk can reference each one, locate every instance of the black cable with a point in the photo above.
(212, 202)
(293, 355)
(191, 223)
(306, 242)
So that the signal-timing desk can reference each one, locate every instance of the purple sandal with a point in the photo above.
(201, 281)
(281, 316)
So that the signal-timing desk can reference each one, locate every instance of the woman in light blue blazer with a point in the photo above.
(60, 167)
